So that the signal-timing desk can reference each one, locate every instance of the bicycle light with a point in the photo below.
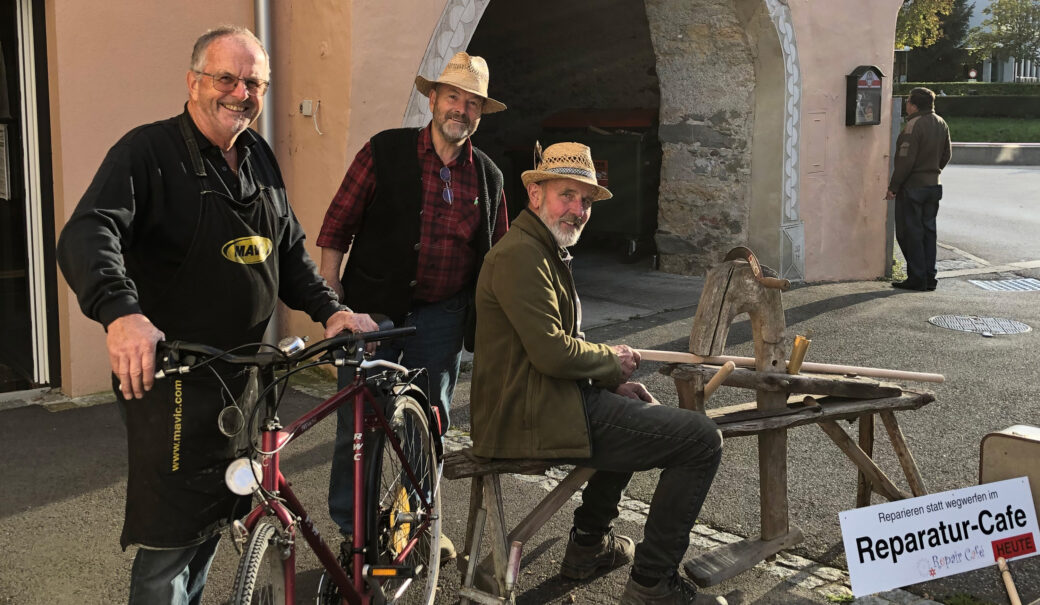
(243, 476)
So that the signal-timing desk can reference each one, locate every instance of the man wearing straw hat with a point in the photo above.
(417, 210)
(541, 391)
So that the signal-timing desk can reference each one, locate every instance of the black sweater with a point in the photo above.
(134, 224)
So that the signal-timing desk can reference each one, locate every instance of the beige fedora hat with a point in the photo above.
(565, 161)
(467, 73)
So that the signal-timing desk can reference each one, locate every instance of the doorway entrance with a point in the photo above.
(24, 359)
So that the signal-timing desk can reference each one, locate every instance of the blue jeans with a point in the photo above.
(171, 576)
(436, 346)
(631, 436)
(916, 209)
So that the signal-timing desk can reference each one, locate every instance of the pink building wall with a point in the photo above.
(844, 170)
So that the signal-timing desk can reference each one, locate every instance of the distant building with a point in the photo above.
(1011, 70)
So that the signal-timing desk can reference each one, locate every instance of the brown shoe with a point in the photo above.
(581, 562)
(673, 590)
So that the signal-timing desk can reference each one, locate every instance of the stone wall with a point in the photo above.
(707, 79)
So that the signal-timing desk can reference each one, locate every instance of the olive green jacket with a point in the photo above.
(923, 150)
(529, 357)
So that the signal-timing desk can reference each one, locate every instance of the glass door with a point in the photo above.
(23, 328)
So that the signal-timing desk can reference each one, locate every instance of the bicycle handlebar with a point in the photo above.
(169, 353)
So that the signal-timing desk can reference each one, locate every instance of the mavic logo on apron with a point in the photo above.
(248, 250)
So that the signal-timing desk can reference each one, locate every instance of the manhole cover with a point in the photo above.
(1008, 285)
(987, 326)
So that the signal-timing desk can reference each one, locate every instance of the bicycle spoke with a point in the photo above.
(406, 527)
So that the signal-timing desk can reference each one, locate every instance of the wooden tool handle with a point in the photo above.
(716, 380)
(1009, 584)
(823, 368)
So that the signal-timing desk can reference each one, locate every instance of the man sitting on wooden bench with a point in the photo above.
(540, 390)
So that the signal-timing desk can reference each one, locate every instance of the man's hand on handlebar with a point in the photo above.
(131, 351)
(353, 322)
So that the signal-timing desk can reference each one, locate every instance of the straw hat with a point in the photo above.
(467, 73)
(565, 161)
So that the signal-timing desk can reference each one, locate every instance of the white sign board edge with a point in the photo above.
(937, 535)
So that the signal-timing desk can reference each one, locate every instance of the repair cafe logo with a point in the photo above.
(248, 250)
(1006, 548)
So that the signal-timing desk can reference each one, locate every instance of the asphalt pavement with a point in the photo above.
(63, 463)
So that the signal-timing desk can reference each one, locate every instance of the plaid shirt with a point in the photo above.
(446, 257)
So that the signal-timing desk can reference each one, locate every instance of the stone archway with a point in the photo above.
(451, 35)
(730, 92)
(729, 126)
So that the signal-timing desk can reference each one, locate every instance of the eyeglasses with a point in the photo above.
(226, 82)
(446, 177)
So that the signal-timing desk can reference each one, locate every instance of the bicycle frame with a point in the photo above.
(278, 499)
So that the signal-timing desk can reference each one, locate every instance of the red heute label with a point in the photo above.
(1015, 546)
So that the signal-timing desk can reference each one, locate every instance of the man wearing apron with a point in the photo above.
(185, 233)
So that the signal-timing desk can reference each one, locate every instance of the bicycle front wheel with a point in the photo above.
(261, 575)
(404, 518)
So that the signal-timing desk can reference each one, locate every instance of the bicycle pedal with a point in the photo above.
(239, 535)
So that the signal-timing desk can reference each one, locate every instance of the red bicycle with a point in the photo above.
(395, 554)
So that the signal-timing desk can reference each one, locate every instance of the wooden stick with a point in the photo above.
(1009, 584)
(823, 368)
(726, 369)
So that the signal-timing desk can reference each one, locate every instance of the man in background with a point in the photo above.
(922, 151)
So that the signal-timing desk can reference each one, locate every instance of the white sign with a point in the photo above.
(938, 535)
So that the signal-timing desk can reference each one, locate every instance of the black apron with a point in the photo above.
(223, 294)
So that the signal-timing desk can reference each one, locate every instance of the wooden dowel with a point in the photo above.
(1009, 584)
(726, 369)
(823, 368)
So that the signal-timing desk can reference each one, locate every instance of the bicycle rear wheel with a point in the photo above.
(261, 576)
(396, 514)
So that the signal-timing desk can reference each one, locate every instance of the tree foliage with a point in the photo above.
(946, 60)
(920, 22)
(1011, 29)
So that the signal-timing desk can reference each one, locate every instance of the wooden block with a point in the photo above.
(737, 421)
(691, 393)
(722, 563)
(814, 384)
(462, 463)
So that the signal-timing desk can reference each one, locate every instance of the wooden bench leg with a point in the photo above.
(864, 488)
(691, 393)
(906, 459)
(550, 504)
(882, 484)
(476, 502)
(497, 518)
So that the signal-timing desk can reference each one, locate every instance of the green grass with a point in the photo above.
(994, 130)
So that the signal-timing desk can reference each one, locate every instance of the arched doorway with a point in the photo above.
(722, 76)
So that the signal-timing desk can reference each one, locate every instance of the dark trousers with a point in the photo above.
(630, 436)
(174, 576)
(916, 209)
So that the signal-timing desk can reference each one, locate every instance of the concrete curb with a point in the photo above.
(1006, 154)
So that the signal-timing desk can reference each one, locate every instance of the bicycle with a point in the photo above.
(395, 553)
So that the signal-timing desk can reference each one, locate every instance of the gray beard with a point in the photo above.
(456, 132)
(563, 239)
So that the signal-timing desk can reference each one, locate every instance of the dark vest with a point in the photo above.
(381, 268)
